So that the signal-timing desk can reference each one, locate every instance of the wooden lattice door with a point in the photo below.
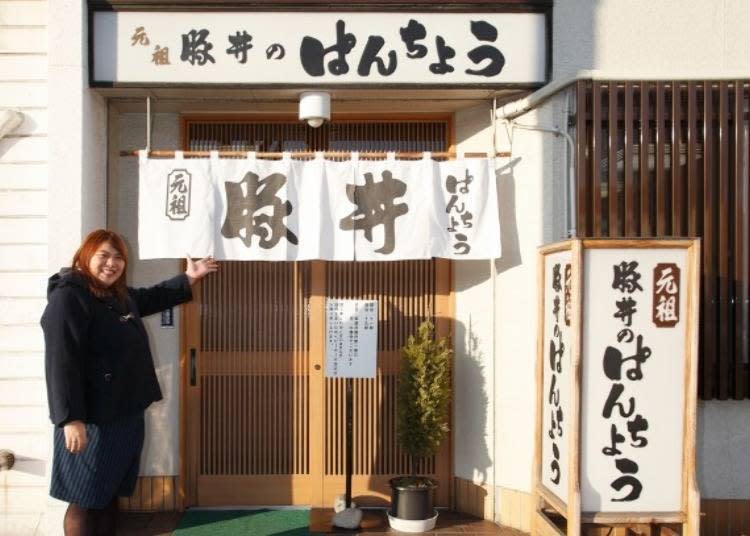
(262, 425)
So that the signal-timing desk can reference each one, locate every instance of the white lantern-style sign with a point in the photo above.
(616, 385)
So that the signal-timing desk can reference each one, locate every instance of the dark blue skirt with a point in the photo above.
(107, 468)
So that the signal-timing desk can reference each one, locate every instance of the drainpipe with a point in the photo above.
(493, 277)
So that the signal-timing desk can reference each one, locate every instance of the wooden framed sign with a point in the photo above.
(616, 378)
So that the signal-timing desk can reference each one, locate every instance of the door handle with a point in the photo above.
(192, 367)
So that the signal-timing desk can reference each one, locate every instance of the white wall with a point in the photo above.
(161, 450)
(51, 192)
(23, 262)
(494, 397)
(665, 39)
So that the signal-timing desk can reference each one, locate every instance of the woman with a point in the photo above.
(101, 377)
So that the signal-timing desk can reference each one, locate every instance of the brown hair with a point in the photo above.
(85, 253)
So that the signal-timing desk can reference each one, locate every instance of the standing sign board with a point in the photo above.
(351, 338)
(617, 367)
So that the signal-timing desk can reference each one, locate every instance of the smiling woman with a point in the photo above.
(101, 377)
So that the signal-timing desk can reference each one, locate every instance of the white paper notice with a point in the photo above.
(351, 338)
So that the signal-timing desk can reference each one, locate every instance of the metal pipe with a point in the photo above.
(516, 108)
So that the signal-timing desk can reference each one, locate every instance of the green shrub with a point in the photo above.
(423, 394)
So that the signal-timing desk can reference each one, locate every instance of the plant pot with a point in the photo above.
(412, 498)
(412, 525)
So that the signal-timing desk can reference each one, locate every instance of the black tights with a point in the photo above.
(80, 521)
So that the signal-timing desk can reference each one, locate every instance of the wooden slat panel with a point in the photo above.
(254, 374)
(725, 317)
(693, 181)
(647, 222)
(613, 199)
(710, 305)
(582, 172)
(596, 159)
(661, 204)
(740, 246)
(630, 213)
(692, 158)
(677, 208)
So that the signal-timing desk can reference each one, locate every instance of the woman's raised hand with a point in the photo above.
(196, 270)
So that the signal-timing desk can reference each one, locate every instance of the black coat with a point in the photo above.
(97, 359)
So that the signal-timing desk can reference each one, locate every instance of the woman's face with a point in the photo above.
(107, 264)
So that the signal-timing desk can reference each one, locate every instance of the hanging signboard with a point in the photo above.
(303, 48)
(251, 209)
(627, 442)
(351, 338)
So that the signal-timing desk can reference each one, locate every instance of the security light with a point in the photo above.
(315, 107)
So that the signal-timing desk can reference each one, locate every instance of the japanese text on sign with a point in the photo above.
(632, 389)
(556, 371)
(453, 48)
(351, 338)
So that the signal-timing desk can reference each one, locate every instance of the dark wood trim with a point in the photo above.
(324, 5)
(321, 87)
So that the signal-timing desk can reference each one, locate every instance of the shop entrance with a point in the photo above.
(261, 423)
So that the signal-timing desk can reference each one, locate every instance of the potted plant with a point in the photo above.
(423, 398)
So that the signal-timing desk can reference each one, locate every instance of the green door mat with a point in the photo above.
(244, 522)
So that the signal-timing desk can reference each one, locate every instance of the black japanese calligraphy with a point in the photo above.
(275, 51)
(196, 48)
(241, 43)
(614, 439)
(486, 32)
(370, 56)
(555, 465)
(637, 424)
(613, 361)
(459, 217)
(375, 206)
(554, 368)
(412, 33)
(615, 393)
(260, 212)
(444, 53)
(626, 277)
(625, 310)
(178, 194)
(628, 467)
(313, 53)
